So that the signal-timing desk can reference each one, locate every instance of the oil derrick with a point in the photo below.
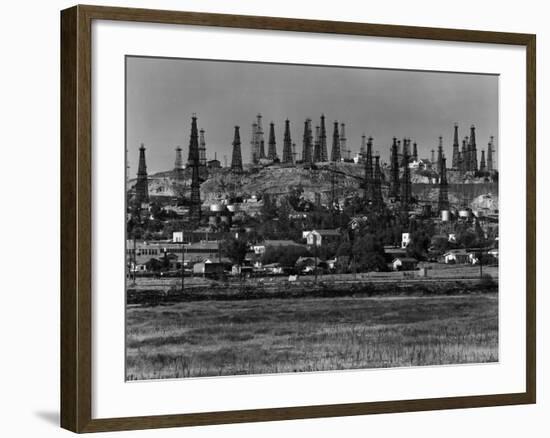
(288, 157)
(443, 203)
(142, 184)
(272, 151)
(439, 153)
(317, 145)
(406, 192)
(399, 153)
(473, 150)
(307, 149)
(406, 153)
(464, 156)
(178, 165)
(323, 140)
(195, 209)
(254, 146)
(377, 199)
(415, 152)
(236, 157)
(460, 162)
(202, 149)
(260, 137)
(344, 152)
(369, 172)
(194, 155)
(432, 159)
(482, 166)
(456, 148)
(194, 162)
(394, 173)
(490, 155)
(363, 149)
(335, 154)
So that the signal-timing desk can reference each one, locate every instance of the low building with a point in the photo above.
(213, 164)
(321, 237)
(393, 252)
(273, 269)
(208, 267)
(404, 264)
(260, 248)
(457, 256)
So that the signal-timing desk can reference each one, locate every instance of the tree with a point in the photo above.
(285, 255)
(269, 207)
(418, 246)
(368, 254)
(467, 239)
(235, 249)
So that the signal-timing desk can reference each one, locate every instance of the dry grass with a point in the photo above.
(208, 338)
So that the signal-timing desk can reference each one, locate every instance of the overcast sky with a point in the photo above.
(162, 95)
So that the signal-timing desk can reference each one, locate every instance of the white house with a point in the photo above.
(405, 239)
(404, 264)
(321, 237)
(457, 256)
(260, 248)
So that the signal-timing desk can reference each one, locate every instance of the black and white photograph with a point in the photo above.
(285, 218)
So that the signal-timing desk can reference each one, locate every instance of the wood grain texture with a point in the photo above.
(76, 223)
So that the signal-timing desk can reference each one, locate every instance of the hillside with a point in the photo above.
(346, 178)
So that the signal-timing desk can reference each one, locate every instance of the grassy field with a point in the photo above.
(209, 338)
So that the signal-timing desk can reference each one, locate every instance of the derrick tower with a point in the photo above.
(202, 149)
(482, 166)
(178, 164)
(443, 203)
(456, 149)
(335, 154)
(464, 155)
(377, 186)
(343, 142)
(394, 173)
(363, 148)
(194, 162)
(288, 157)
(369, 189)
(406, 192)
(260, 137)
(323, 140)
(307, 149)
(236, 157)
(317, 145)
(254, 145)
(415, 152)
(439, 153)
(473, 149)
(490, 151)
(142, 184)
(272, 151)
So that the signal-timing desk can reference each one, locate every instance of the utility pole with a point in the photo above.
(182, 259)
(315, 245)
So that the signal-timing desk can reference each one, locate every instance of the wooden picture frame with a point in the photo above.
(76, 218)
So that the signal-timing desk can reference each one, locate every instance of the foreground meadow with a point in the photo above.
(210, 338)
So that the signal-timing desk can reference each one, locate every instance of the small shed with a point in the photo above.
(404, 264)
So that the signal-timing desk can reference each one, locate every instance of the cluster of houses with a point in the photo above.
(205, 258)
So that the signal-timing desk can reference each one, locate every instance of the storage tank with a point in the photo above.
(215, 207)
(464, 213)
(445, 215)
